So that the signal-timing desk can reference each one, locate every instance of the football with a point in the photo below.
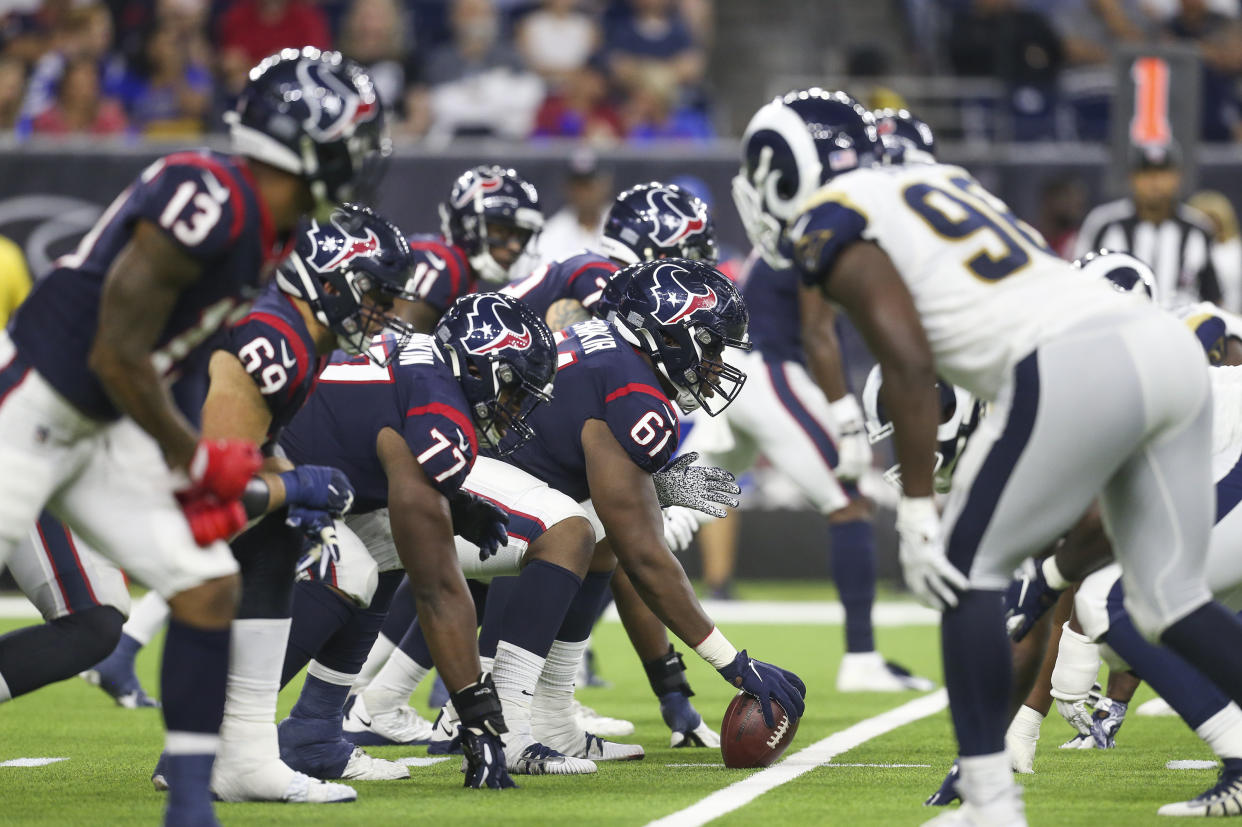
(746, 740)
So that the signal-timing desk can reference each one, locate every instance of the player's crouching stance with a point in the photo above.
(104, 367)
(406, 435)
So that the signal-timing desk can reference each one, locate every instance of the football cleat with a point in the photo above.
(1223, 799)
(1107, 719)
(1079, 741)
(275, 782)
(402, 726)
(947, 793)
(1006, 811)
(445, 736)
(363, 767)
(122, 685)
(1156, 708)
(591, 721)
(869, 672)
(158, 779)
(537, 759)
(596, 748)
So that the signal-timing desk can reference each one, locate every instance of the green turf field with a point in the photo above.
(111, 752)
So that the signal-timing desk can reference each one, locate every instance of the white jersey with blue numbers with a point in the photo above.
(986, 286)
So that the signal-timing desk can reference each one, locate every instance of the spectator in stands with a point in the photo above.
(375, 34)
(1226, 245)
(176, 93)
(653, 112)
(653, 45)
(79, 107)
(1000, 39)
(1220, 42)
(578, 224)
(1090, 30)
(1153, 225)
(1062, 205)
(478, 85)
(12, 87)
(580, 108)
(253, 29)
(557, 39)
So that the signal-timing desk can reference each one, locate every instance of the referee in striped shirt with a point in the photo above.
(1154, 226)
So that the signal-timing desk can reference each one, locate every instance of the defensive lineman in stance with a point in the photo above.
(1095, 393)
(104, 370)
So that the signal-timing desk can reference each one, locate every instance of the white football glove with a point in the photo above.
(853, 447)
(1076, 714)
(680, 524)
(704, 488)
(929, 574)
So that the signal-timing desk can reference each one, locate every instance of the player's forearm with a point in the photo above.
(662, 583)
(447, 615)
(910, 393)
(137, 391)
(645, 631)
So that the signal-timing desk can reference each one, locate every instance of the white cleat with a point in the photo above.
(402, 726)
(708, 736)
(275, 782)
(591, 721)
(1079, 741)
(593, 747)
(1223, 800)
(1008, 810)
(1156, 708)
(869, 672)
(529, 757)
(363, 767)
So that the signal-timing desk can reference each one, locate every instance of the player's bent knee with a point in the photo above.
(569, 544)
(603, 558)
(209, 605)
(97, 631)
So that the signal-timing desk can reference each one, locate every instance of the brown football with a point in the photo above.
(746, 740)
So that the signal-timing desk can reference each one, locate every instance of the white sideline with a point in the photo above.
(821, 752)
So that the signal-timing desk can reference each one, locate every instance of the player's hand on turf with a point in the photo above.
(853, 447)
(1076, 714)
(479, 521)
(1027, 599)
(209, 518)
(680, 524)
(685, 722)
(319, 488)
(767, 682)
(482, 724)
(929, 574)
(222, 467)
(700, 487)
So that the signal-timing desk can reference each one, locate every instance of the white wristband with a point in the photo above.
(846, 410)
(716, 649)
(917, 511)
(1052, 573)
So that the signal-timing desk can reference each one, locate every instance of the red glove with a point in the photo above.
(210, 519)
(222, 467)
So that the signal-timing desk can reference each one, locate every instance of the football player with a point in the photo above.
(1096, 394)
(105, 366)
(406, 436)
(488, 222)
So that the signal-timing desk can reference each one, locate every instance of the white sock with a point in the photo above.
(256, 657)
(552, 712)
(392, 687)
(146, 618)
(984, 778)
(516, 672)
(1025, 724)
(380, 652)
(1223, 732)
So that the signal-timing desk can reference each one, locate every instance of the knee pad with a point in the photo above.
(1078, 663)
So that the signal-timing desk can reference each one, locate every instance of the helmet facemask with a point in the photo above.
(764, 229)
(691, 358)
(500, 400)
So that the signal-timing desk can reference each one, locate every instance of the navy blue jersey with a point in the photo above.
(598, 376)
(775, 321)
(207, 205)
(441, 272)
(581, 275)
(276, 349)
(417, 396)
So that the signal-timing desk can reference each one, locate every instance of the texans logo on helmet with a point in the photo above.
(675, 301)
(480, 186)
(331, 116)
(332, 251)
(671, 225)
(489, 326)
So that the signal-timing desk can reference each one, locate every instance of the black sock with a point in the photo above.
(38, 655)
(977, 671)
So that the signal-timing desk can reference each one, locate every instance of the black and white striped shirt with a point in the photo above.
(1178, 250)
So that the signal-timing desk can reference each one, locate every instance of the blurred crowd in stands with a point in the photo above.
(606, 71)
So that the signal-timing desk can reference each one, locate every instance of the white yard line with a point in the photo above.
(821, 752)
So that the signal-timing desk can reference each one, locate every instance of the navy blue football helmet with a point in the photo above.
(317, 115)
(491, 206)
(683, 314)
(657, 220)
(503, 355)
(350, 269)
(904, 136)
(792, 147)
(1127, 273)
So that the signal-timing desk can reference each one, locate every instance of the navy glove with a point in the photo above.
(482, 724)
(767, 682)
(685, 722)
(318, 488)
(479, 521)
(1026, 600)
